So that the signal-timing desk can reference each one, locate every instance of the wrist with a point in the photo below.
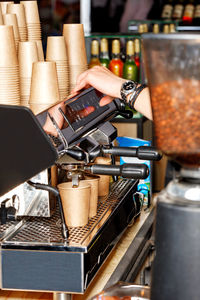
(130, 91)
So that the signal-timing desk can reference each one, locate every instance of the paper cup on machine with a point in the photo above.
(94, 184)
(104, 181)
(44, 83)
(75, 202)
(75, 42)
(27, 55)
(56, 48)
(8, 53)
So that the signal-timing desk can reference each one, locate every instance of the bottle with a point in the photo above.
(137, 53)
(130, 70)
(141, 28)
(116, 64)
(172, 28)
(94, 61)
(167, 10)
(196, 18)
(104, 55)
(188, 13)
(145, 28)
(178, 10)
(156, 28)
(166, 28)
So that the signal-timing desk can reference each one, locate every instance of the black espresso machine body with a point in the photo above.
(39, 253)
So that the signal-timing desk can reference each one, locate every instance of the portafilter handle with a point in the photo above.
(135, 171)
(141, 152)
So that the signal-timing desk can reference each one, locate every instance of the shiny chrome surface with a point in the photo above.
(47, 231)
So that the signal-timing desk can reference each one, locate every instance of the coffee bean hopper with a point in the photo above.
(38, 251)
(173, 69)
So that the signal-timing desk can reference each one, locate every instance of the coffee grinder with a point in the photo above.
(172, 65)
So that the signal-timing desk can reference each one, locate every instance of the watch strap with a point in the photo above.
(134, 95)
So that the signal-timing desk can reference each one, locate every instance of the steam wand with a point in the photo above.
(53, 190)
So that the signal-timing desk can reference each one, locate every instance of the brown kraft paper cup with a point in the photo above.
(104, 181)
(75, 202)
(75, 42)
(94, 183)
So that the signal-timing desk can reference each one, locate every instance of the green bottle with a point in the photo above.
(130, 70)
(104, 56)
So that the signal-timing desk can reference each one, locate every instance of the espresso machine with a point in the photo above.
(38, 251)
(172, 64)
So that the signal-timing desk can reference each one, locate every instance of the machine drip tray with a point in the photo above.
(36, 257)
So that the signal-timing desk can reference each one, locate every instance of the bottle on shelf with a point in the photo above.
(166, 28)
(178, 10)
(196, 18)
(156, 28)
(94, 61)
(104, 55)
(188, 13)
(166, 13)
(116, 64)
(172, 28)
(140, 28)
(137, 53)
(145, 28)
(130, 70)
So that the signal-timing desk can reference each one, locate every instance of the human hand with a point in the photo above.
(55, 113)
(103, 80)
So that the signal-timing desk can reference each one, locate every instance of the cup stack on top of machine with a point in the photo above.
(27, 55)
(76, 51)
(19, 11)
(11, 19)
(4, 5)
(1, 16)
(32, 20)
(9, 68)
(44, 86)
(57, 52)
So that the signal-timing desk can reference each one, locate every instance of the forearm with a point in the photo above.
(143, 104)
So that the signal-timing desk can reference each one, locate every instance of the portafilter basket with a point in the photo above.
(172, 65)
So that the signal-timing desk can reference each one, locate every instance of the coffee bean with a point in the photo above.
(176, 114)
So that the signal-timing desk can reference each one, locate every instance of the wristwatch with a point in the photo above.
(129, 92)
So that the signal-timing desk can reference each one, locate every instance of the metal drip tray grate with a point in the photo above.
(47, 231)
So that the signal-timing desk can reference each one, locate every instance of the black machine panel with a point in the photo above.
(25, 148)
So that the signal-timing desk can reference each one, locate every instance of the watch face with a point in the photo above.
(129, 85)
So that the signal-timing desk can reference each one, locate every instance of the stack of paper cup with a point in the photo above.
(27, 55)
(56, 51)
(11, 19)
(19, 10)
(44, 86)
(32, 20)
(4, 5)
(9, 68)
(1, 16)
(76, 50)
(40, 50)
